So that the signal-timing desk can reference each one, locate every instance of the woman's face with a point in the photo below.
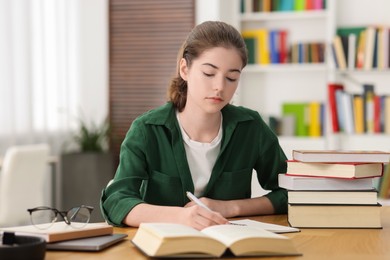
(212, 79)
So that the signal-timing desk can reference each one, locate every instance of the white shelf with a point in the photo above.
(363, 71)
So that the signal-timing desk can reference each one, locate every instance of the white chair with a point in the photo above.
(22, 180)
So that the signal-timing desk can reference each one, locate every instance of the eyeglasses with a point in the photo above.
(44, 217)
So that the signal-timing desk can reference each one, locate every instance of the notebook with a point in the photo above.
(87, 244)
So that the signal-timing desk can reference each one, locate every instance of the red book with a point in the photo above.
(283, 48)
(332, 87)
(309, 5)
(377, 114)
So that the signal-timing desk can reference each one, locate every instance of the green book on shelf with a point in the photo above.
(250, 43)
(299, 5)
(345, 31)
(299, 111)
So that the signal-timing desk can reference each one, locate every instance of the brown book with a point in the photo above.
(60, 231)
(369, 156)
(175, 240)
(334, 216)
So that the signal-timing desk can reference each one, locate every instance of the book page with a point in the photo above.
(229, 234)
(261, 225)
(167, 230)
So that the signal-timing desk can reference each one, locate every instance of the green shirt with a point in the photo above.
(153, 167)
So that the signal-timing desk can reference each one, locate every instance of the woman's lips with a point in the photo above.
(215, 99)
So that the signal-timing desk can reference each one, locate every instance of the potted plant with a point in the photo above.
(87, 170)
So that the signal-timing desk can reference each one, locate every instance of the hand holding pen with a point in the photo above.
(197, 201)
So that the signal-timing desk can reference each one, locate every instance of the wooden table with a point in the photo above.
(329, 244)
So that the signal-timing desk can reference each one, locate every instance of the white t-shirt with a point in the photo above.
(201, 158)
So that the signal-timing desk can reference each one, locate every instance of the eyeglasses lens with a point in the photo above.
(43, 219)
(78, 216)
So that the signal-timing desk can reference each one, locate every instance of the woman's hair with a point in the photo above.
(204, 36)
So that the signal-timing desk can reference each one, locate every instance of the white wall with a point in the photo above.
(223, 10)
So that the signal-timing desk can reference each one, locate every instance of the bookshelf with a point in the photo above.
(380, 78)
(266, 87)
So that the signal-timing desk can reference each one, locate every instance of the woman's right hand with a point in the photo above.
(190, 215)
(200, 218)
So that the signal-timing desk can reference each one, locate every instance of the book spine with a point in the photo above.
(368, 100)
(332, 88)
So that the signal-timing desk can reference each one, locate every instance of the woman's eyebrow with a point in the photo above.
(216, 67)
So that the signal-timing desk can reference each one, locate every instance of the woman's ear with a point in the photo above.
(183, 69)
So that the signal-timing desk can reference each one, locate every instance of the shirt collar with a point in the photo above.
(165, 115)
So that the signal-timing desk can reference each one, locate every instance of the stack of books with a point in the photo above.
(333, 189)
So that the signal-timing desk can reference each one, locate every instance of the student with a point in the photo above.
(198, 142)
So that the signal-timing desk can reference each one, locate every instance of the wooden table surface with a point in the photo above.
(330, 244)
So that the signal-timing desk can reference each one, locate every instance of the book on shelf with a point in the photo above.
(283, 46)
(261, 38)
(360, 50)
(369, 53)
(332, 88)
(299, 111)
(334, 216)
(250, 6)
(299, 5)
(351, 197)
(176, 240)
(384, 47)
(334, 169)
(368, 107)
(265, 5)
(286, 5)
(302, 119)
(365, 47)
(291, 182)
(315, 119)
(351, 39)
(274, 46)
(307, 52)
(345, 111)
(339, 53)
(378, 115)
(250, 43)
(60, 231)
(358, 113)
(340, 109)
(386, 112)
(355, 156)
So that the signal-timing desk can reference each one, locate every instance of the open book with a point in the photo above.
(60, 231)
(175, 240)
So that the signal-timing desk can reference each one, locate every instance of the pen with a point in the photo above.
(196, 200)
(193, 198)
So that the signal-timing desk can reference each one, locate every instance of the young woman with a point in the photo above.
(198, 142)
